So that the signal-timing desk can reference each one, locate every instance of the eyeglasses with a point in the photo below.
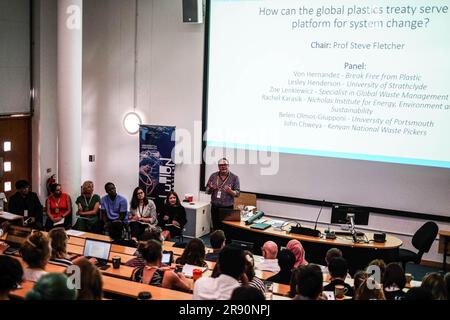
(140, 192)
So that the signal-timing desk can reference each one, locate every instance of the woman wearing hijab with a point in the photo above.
(297, 249)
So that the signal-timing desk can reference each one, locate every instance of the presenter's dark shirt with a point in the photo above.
(225, 199)
(17, 204)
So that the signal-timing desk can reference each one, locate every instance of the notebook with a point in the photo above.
(260, 226)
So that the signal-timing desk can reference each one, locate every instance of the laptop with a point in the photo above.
(15, 237)
(230, 214)
(244, 245)
(99, 250)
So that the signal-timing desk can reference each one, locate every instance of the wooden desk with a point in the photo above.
(124, 258)
(357, 254)
(444, 246)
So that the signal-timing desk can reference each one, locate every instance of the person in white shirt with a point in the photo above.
(270, 263)
(232, 266)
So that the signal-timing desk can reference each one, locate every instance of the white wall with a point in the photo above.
(170, 78)
(44, 123)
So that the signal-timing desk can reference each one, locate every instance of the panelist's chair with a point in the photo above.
(422, 241)
(245, 199)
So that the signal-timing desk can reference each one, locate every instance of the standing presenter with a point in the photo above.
(223, 186)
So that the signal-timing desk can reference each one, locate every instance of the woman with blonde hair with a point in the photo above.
(88, 207)
(58, 239)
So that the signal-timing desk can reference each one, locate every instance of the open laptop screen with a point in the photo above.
(97, 249)
(16, 236)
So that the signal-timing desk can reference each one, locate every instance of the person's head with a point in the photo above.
(152, 233)
(331, 254)
(434, 282)
(223, 165)
(359, 278)
(309, 281)
(115, 230)
(56, 189)
(338, 268)
(394, 276)
(286, 260)
(110, 189)
(23, 186)
(299, 253)
(138, 196)
(447, 283)
(36, 251)
(270, 250)
(372, 291)
(194, 253)
(52, 286)
(173, 199)
(232, 262)
(91, 283)
(380, 264)
(418, 293)
(217, 239)
(87, 188)
(151, 252)
(58, 240)
(247, 293)
(249, 265)
(11, 274)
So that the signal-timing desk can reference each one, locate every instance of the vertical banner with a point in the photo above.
(156, 162)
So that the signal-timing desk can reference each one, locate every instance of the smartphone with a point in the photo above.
(167, 258)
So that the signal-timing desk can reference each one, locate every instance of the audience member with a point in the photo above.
(381, 265)
(297, 249)
(434, 282)
(172, 219)
(193, 254)
(142, 213)
(252, 279)
(217, 240)
(418, 293)
(308, 281)
(27, 204)
(394, 281)
(52, 286)
(360, 277)
(370, 291)
(11, 274)
(58, 241)
(247, 294)
(59, 208)
(91, 283)
(154, 274)
(338, 269)
(270, 263)
(447, 284)
(116, 231)
(88, 209)
(35, 252)
(151, 233)
(232, 267)
(286, 261)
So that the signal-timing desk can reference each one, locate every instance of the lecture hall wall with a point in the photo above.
(169, 82)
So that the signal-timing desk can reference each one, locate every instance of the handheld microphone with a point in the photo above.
(318, 216)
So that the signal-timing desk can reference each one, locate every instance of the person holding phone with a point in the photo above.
(59, 208)
(27, 204)
(223, 186)
(172, 219)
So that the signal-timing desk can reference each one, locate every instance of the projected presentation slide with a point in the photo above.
(366, 80)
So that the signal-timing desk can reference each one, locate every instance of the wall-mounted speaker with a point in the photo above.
(193, 11)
